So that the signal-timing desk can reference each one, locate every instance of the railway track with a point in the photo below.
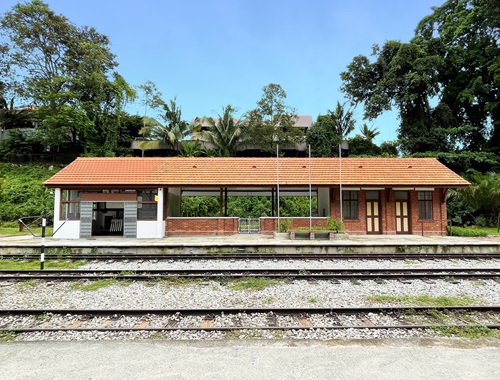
(305, 274)
(255, 256)
(230, 319)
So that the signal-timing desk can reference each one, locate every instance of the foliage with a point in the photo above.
(335, 225)
(343, 120)
(369, 133)
(200, 206)
(481, 199)
(166, 136)
(223, 133)
(466, 232)
(425, 300)
(469, 332)
(9, 264)
(389, 149)
(246, 207)
(323, 138)
(22, 192)
(272, 122)
(67, 73)
(453, 59)
(190, 148)
(253, 283)
(19, 146)
(285, 225)
(360, 146)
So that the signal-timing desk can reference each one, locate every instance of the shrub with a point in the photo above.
(466, 232)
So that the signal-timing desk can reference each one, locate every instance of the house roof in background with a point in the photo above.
(253, 172)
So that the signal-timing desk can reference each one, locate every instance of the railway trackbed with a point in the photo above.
(230, 319)
(256, 256)
(305, 274)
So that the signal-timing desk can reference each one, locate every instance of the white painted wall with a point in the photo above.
(148, 229)
(69, 230)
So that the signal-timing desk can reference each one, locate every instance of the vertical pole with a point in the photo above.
(310, 190)
(42, 248)
(278, 187)
(340, 180)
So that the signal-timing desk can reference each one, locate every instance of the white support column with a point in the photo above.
(57, 207)
(160, 222)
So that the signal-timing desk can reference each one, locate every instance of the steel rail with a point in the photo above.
(406, 273)
(259, 256)
(211, 313)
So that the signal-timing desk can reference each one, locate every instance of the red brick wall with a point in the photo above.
(269, 225)
(436, 226)
(201, 226)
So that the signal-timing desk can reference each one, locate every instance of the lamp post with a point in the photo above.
(343, 145)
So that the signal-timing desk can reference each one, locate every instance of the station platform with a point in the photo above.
(259, 243)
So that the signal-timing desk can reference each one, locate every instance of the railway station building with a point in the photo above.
(141, 197)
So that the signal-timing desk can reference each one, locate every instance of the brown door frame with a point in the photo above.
(401, 217)
(370, 215)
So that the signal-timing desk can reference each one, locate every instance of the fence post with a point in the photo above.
(42, 248)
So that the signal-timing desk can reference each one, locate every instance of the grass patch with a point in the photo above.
(10, 264)
(425, 300)
(25, 285)
(15, 231)
(7, 336)
(252, 283)
(96, 285)
(314, 300)
(467, 332)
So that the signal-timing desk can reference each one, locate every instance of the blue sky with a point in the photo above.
(211, 53)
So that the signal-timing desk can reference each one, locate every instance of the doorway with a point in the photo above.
(402, 212)
(372, 212)
(107, 218)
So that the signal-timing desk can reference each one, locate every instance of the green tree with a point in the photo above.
(323, 137)
(343, 120)
(360, 146)
(454, 60)
(169, 135)
(223, 134)
(62, 66)
(369, 133)
(190, 149)
(272, 122)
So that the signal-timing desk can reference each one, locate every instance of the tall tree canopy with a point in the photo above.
(67, 72)
(445, 84)
(272, 122)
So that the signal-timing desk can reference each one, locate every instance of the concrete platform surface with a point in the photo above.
(249, 239)
(377, 359)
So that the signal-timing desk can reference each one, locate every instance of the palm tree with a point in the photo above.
(190, 148)
(223, 133)
(343, 120)
(165, 136)
(368, 133)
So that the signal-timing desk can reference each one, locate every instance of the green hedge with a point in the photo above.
(467, 232)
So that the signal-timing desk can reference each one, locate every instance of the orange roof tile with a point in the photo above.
(195, 171)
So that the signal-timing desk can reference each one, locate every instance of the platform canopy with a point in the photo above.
(253, 174)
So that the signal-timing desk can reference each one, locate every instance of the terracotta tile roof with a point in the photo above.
(179, 171)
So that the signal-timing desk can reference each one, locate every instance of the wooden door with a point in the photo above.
(402, 217)
(373, 217)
